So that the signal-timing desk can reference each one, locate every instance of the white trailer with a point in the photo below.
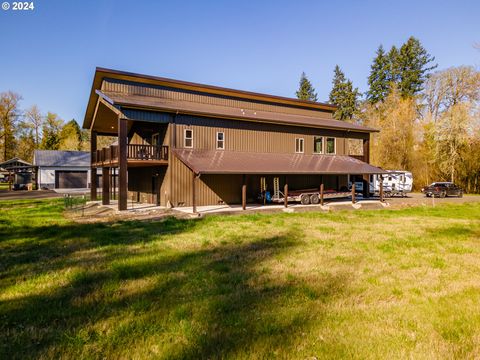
(395, 183)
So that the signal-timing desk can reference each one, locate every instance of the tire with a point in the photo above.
(314, 199)
(388, 194)
(460, 194)
(443, 194)
(305, 199)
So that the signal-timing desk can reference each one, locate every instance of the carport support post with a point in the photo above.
(244, 193)
(122, 164)
(285, 193)
(321, 194)
(194, 198)
(353, 192)
(105, 186)
(93, 170)
(381, 188)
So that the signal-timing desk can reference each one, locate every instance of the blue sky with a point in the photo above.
(48, 55)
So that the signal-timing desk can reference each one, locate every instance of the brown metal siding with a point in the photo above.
(126, 87)
(210, 189)
(254, 137)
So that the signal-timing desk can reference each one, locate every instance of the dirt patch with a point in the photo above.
(95, 213)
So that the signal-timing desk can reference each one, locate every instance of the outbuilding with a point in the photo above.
(62, 169)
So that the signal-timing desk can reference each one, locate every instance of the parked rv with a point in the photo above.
(395, 183)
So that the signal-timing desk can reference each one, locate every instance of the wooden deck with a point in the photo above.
(137, 155)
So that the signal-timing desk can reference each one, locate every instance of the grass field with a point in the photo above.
(358, 284)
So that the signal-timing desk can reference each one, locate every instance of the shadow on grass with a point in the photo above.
(214, 302)
(202, 304)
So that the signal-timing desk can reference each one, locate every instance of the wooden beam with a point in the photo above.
(105, 186)
(353, 192)
(194, 198)
(366, 150)
(93, 171)
(321, 194)
(381, 188)
(285, 193)
(122, 162)
(244, 193)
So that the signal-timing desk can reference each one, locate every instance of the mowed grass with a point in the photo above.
(356, 284)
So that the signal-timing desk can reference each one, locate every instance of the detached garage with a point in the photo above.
(62, 169)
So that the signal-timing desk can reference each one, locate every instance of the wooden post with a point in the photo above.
(93, 170)
(366, 150)
(381, 188)
(285, 193)
(194, 199)
(321, 194)
(122, 163)
(244, 193)
(9, 181)
(105, 186)
(353, 192)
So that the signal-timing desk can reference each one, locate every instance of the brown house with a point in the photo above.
(187, 144)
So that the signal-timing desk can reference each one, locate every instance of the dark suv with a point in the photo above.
(442, 189)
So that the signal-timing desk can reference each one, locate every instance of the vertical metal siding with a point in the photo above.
(133, 88)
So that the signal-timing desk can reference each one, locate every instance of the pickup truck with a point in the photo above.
(442, 189)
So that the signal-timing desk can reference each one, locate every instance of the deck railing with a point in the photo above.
(134, 152)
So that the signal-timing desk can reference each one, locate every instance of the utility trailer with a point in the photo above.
(305, 196)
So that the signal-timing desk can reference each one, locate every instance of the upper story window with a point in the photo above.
(188, 138)
(318, 144)
(330, 145)
(299, 142)
(220, 140)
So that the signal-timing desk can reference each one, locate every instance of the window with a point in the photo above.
(318, 144)
(220, 140)
(188, 138)
(330, 146)
(299, 145)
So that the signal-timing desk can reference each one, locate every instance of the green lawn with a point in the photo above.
(360, 284)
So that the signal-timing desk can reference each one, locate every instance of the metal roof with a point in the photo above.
(13, 162)
(228, 162)
(59, 158)
(101, 73)
(195, 108)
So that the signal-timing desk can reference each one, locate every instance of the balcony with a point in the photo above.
(137, 155)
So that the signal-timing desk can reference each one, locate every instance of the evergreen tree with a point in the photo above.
(378, 80)
(306, 90)
(393, 75)
(51, 132)
(413, 64)
(344, 96)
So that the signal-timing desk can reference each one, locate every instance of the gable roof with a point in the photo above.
(14, 162)
(61, 158)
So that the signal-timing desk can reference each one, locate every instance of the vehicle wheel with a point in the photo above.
(314, 199)
(443, 194)
(305, 199)
(388, 194)
(460, 194)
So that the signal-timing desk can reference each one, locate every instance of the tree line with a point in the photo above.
(429, 119)
(23, 131)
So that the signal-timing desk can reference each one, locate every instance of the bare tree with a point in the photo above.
(35, 119)
(9, 114)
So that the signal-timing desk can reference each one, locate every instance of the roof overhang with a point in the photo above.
(229, 162)
(102, 73)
